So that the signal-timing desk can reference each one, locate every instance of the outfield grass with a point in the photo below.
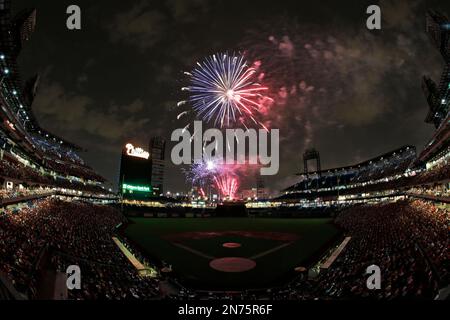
(314, 236)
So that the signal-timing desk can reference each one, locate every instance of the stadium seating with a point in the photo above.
(407, 239)
(11, 168)
(74, 233)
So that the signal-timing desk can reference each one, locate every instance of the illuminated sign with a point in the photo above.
(130, 187)
(136, 152)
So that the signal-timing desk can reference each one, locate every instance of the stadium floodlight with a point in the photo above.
(2, 57)
(6, 71)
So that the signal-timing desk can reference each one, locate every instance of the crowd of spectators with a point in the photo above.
(67, 169)
(408, 240)
(438, 173)
(21, 193)
(394, 165)
(435, 175)
(74, 233)
(13, 169)
(56, 150)
(435, 191)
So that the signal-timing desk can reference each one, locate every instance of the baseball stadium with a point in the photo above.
(228, 233)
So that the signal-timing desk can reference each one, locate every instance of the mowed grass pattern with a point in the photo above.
(314, 236)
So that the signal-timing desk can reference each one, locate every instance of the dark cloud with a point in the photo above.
(72, 112)
(140, 26)
(350, 92)
(187, 11)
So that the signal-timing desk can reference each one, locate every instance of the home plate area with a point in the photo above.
(232, 264)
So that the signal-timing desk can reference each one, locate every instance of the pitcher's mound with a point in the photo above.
(232, 264)
(231, 245)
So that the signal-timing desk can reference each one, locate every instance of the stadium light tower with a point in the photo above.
(311, 154)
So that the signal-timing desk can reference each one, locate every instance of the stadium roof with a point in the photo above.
(364, 163)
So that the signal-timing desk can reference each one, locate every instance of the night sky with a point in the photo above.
(358, 92)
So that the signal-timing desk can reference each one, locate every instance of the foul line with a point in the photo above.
(335, 254)
(142, 270)
(198, 253)
(271, 250)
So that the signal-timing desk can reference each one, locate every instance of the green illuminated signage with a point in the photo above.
(130, 187)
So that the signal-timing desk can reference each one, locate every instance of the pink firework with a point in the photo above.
(227, 185)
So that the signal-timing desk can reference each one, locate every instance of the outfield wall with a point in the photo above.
(229, 211)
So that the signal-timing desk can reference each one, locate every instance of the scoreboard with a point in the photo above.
(135, 173)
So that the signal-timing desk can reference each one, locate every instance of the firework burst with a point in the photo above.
(202, 172)
(223, 177)
(223, 89)
(227, 185)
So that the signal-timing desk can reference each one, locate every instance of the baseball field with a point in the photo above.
(233, 253)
